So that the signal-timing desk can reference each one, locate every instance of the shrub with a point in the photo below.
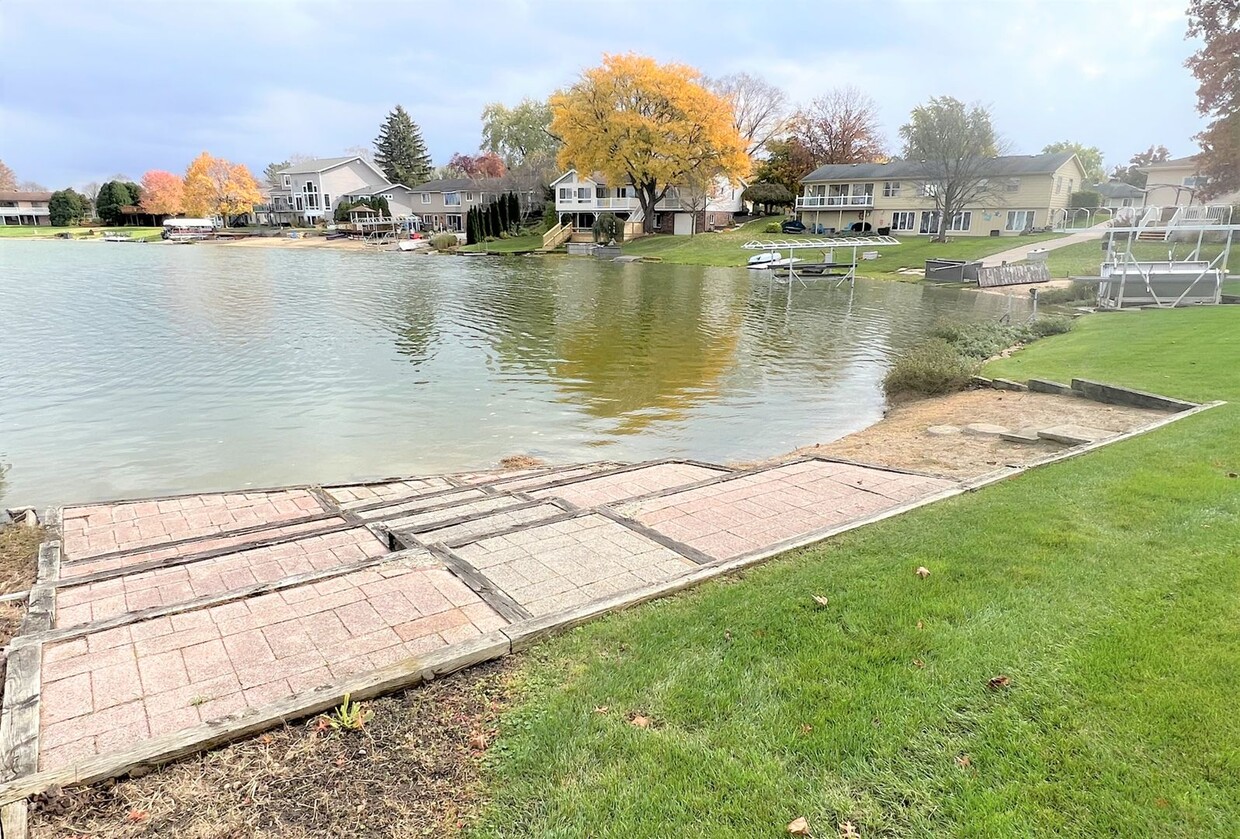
(1078, 292)
(445, 242)
(773, 227)
(932, 368)
(1086, 198)
(607, 228)
(550, 217)
(979, 340)
(1052, 325)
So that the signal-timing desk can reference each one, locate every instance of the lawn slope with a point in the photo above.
(1106, 588)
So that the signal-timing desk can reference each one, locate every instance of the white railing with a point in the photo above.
(593, 204)
(819, 201)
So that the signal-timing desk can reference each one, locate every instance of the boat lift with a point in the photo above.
(1126, 280)
(829, 267)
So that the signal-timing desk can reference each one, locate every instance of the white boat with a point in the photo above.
(118, 237)
(770, 259)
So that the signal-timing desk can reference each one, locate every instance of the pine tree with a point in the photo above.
(400, 151)
(501, 204)
(514, 210)
(493, 216)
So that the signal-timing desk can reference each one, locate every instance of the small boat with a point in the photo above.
(770, 259)
(118, 237)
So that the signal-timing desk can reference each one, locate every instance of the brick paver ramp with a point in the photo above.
(171, 613)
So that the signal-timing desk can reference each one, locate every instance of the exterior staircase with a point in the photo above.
(557, 236)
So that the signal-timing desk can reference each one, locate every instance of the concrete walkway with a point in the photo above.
(176, 612)
(1019, 253)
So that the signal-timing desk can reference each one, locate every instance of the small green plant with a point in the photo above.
(348, 716)
(199, 700)
(445, 242)
(1078, 292)
(932, 368)
(1051, 325)
(773, 227)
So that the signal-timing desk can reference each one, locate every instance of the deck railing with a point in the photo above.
(812, 202)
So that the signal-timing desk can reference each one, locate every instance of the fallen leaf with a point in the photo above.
(920, 625)
(727, 635)
(136, 816)
(266, 739)
(478, 742)
(602, 709)
(848, 830)
(806, 729)
(639, 721)
(918, 663)
(821, 599)
(998, 682)
(923, 572)
(963, 761)
(799, 826)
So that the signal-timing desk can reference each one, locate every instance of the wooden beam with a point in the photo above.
(687, 551)
(480, 584)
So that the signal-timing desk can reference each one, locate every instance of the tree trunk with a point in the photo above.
(943, 214)
(647, 197)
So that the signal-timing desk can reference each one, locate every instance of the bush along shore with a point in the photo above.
(955, 352)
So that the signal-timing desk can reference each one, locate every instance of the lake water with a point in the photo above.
(148, 369)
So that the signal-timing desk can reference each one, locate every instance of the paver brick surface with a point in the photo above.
(533, 482)
(356, 495)
(490, 523)
(112, 688)
(480, 506)
(609, 489)
(413, 505)
(760, 510)
(550, 567)
(92, 530)
(179, 583)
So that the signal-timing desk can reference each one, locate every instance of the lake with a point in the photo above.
(130, 370)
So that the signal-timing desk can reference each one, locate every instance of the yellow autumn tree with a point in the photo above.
(647, 124)
(214, 186)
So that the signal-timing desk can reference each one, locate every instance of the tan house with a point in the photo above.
(1177, 182)
(1025, 192)
(25, 208)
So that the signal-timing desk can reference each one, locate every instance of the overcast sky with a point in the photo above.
(91, 89)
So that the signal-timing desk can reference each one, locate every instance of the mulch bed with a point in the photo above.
(412, 771)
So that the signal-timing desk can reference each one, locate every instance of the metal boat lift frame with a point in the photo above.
(827, 246)
(1128, 264)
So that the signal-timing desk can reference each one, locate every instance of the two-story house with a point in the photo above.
(25, 208)
(309, 192)
(1177, 182)
(1025, 191)
(579, 199)
(442, 203)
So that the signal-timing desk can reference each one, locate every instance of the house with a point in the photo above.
(1117, 194)
(309, 192)
(400, 198)
(442, 203)
(579, 199)
(1176, 182)
(26, 208)
(1026, 191)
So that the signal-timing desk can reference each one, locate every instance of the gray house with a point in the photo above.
(309, 192)
(443, 203)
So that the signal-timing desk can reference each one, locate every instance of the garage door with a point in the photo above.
(682, 224)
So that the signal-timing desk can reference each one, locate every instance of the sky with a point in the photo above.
(95, 89)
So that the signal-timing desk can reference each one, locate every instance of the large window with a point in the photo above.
(583, 194)
(566, 193)
(1018, 220)
(929, 222)
(891, 189)
(452, 199)
(961, 221)
(311, 192)
(904, 220)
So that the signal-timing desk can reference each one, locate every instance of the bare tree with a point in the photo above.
(695, 193)
(364, 152)
(954, 146)
(31, 186)
(840, 127)
(759, 108)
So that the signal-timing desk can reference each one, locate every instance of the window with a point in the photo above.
(1019, 220)
(452, 199)
(904, 220)
(583, 193)
(288, 182)
(1194, 181)
(927, 190)
(961, 221)
(1058, 184)
(600, 192)
(300, 205)
(1013, 185)
(566, 193)
(469, 197)
(929, 222)
(426, 197)
(891, 189)
(1071, 184)
(327, 201)
(311, 192)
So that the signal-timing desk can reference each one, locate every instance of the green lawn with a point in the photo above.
(1107, 588)
(724, 249)
(1082, 260)
(526, 242)
(16, 232)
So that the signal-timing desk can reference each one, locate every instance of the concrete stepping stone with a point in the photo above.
(986, 429)
(943, 430)
(1021, 435)
(1074, 435)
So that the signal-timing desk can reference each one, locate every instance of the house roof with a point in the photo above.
(1173, 163)
(596, 176)
(10, 195)
(379, 190)
(1012, 165)
(321, 164)
(1117, 189)
(457, 184)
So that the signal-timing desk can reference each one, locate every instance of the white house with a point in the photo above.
(1117, 194)
(579, 199)
(1177, 182)
(398, 196)
(309, 192)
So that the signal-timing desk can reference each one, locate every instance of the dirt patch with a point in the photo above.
(521, 461)
(902, 439)
(413, 771)
(19, 550)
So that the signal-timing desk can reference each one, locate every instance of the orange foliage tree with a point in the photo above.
(163, 193)
(215, 186)
(647, 124)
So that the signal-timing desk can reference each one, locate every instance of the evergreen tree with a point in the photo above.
(501, 204)
(112, 196)
(471, 226)
(495, 223)
(399, 150)
(66, 207)
(514, 210)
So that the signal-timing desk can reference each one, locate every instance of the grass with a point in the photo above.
(1105, 588)
(29, 232)
(1083, 259)
(515, 244)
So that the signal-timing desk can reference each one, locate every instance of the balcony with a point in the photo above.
(822, 202)
(594, 205)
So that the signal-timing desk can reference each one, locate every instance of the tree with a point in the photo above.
(112, 196)
(840, 127)
(1086, 199)
(1090, 157)
(768, 194)
(271, 174)
(514, 210)
(163, 193)
(364, 152)
(215, 186)
(1217, 69)
(758, 107)
(31, 186)
(787, 163)
(953, 145)
(648, 125)
(8, 181)
(66, 207)
(485, 165)
(1132, 174)
(399, 150)
(521, 134)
